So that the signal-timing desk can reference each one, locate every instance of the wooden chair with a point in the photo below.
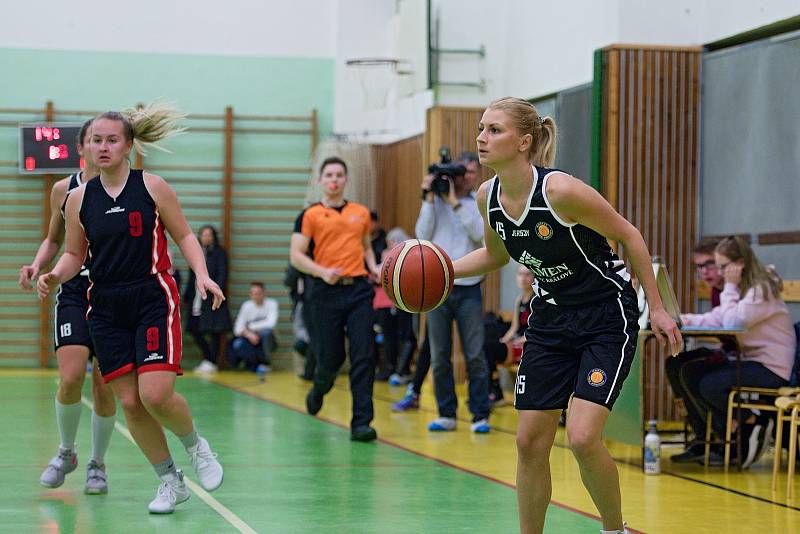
(767, 404)
(785, 404)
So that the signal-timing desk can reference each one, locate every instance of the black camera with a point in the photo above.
(443, 170)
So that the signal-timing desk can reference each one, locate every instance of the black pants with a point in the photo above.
(210, 348)
(423, 366)
(313, 339)
(685, 378)
(341, 310)
(398, 340)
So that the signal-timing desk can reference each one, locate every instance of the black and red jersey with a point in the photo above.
(126, 235)
(73, 291)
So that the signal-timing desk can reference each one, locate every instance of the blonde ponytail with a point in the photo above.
(543, 150)
(526, 120)
(148, 125)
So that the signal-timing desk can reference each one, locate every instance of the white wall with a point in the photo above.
(535, 48)
(233, 27)
(532, 47)
(381, 28)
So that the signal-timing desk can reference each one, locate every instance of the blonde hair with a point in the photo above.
(754, 273)
(526, 120)
(147, 125)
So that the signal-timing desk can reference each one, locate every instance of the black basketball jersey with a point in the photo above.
(571, 263)
(126, 235)
(77, 286)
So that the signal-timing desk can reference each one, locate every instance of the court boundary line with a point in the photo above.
(235, 521)
(621, 461)
(385, 441)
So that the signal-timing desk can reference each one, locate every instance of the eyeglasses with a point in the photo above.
(705, 266)
(722, 266)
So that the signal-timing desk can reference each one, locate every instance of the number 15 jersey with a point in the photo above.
(126, 234)
(572, 264)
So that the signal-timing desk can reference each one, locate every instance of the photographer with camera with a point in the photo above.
(450, 218)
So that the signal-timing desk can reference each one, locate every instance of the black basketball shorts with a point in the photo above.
(581, 351)
(71, 327)
(136, 326)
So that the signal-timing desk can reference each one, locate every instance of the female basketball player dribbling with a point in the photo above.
(73, 345)
(582, 333)
(133, 301)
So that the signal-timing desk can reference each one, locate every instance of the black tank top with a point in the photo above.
(572, 264)
(126, 235)
(77, 286)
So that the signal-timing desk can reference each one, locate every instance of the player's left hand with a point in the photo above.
(663, 326)
(207, 285)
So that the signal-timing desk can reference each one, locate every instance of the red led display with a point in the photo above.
(49, 148)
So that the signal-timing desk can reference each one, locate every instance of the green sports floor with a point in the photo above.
(285, 472)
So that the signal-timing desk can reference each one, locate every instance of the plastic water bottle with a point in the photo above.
(261, 371)
(652, 450)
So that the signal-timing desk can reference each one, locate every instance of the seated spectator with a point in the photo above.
(706, 269)
(751, 299)
(254, 341)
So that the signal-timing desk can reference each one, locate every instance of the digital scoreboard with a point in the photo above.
(49, 148)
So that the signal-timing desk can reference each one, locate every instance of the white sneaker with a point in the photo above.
(205, 464)
(623, 531)
(171, 492)
(206, 367)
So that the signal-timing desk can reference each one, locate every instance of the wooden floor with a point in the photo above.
(289, 472)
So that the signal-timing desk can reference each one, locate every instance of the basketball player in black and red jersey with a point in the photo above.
(73, 346)
(581, 335)
(121, 218)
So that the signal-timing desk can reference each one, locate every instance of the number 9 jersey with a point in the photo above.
(133, 312)
(126, 235)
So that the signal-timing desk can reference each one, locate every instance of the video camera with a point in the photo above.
(445, 168)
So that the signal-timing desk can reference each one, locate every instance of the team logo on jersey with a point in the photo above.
(597, 377)
(544, 230)
(115, 209)
(527, 259)
(153, 356)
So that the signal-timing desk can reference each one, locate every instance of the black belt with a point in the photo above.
(345, 280)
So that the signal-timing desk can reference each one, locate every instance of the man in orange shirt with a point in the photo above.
(331, 242)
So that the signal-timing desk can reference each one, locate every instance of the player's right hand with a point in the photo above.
(427, 180)
(27, 273)
(45, 284)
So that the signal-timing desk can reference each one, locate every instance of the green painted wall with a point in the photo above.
(82, 80)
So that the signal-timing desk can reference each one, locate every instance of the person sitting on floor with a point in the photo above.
(254, 341)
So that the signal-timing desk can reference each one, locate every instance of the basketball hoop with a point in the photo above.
(378, 77)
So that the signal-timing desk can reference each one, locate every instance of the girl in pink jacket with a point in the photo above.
(751, 300)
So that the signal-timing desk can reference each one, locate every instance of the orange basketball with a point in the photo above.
(417, 276)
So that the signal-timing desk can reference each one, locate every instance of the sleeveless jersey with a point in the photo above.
(76, 287)
(572, 264)
(126, 236)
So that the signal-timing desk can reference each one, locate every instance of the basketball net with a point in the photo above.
(377, 80)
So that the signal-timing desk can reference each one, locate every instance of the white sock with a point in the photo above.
(102, 428)
(68, 417)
